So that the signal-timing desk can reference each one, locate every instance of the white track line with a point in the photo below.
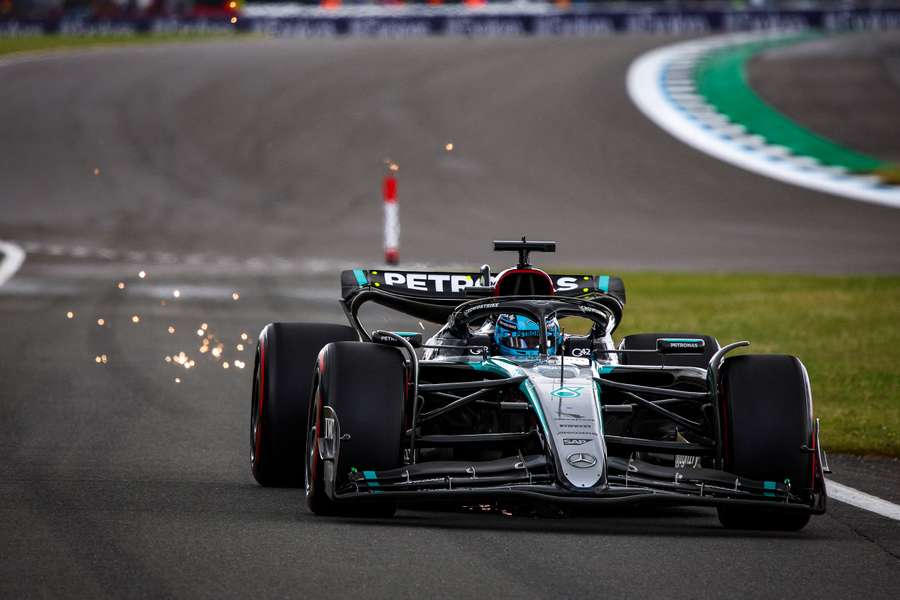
(650, 89)
(854, 497)
(13, 257)
(171, 263)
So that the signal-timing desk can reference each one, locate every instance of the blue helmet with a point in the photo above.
(517, 335)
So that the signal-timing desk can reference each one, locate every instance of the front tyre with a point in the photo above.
(364, 386)
(767, 434)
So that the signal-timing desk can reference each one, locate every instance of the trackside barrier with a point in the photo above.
(438, 20)
(573, 23)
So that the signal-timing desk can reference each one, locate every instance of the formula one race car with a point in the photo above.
(522, 398)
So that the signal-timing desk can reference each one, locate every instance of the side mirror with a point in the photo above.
(680, 346)
(383, 337)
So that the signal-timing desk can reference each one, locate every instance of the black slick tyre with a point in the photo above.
(767, 428)
(282, 379)
(647, 341)
(363, 385)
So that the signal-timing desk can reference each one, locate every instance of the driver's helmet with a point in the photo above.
(517, 335)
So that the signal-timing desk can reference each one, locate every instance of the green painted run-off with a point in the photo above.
(721, 78)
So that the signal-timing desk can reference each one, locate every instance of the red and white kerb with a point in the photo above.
(391, 220)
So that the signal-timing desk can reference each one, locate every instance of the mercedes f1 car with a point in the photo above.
(522, 398)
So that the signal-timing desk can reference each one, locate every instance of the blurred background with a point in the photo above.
(120, 9)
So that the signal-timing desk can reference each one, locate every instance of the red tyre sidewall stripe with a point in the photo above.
(813, 441)
(261, 394)
(314, 460)
(815, 451)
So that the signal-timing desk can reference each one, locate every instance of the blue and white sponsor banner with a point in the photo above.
(509, 20)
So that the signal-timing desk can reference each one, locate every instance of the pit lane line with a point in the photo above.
(13, 257)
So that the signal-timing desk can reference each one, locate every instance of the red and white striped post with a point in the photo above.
(391, 216)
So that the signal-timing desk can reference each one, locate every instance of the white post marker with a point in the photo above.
(12, 259)
(391, 217)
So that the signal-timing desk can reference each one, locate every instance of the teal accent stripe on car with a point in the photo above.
(371, 476)
(599, 408)
(526, 387)
(604, 370)
(491, 367)
(769, 485)
(681, 339)
(360, 277)
(603, 283)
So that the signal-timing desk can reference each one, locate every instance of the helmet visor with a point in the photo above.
(526, 342)
(522, 342)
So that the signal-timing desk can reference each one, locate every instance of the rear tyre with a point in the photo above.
(282, 379)
(647, 341)
(766, 423)
(365, 385)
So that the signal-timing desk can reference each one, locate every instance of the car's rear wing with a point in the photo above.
(453, 285)
(432, 295)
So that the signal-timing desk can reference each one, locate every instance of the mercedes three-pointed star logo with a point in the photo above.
(582, 460)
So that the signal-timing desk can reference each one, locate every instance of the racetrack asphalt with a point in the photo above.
(199, 163)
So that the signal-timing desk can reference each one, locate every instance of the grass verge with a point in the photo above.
(9, 45)
(846, 330)
(889, 174)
